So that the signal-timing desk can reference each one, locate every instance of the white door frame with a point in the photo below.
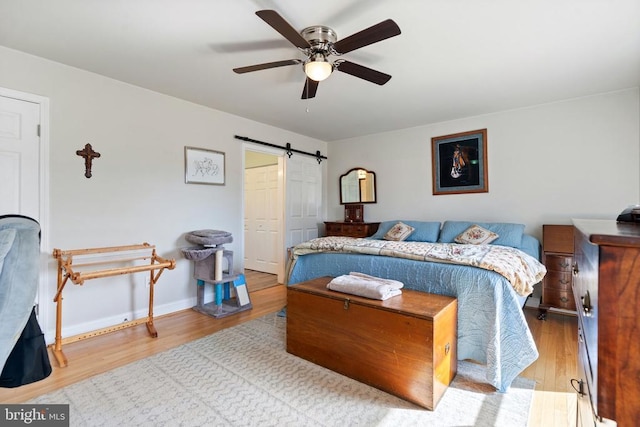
(281, 171)
(45, 250)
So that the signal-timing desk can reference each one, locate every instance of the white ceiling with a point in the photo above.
(454, 58)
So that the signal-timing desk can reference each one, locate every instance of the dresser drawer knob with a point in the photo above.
(563, 282)
(564, 299)
(346, 304)
(564, 265)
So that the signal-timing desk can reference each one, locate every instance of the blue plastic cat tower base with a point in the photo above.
(208, 269)
(223, 304)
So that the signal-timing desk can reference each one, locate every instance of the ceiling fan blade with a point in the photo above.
(266, 66)
(373, 34)
(278, 23)
(363, 72)
(310, 88)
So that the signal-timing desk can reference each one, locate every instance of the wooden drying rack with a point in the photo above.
(66, 271)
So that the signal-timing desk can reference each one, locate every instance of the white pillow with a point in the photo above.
(399, 232)
(476, 235)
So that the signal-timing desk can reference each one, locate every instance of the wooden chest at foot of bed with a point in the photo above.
(405, 345)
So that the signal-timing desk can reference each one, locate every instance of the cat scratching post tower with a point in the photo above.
(208, 260)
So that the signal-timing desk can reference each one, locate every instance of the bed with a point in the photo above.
(492, 328)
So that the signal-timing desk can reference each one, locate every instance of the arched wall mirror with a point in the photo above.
(358, 185)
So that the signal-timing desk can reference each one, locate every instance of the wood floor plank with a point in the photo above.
(556, 338)
(257, 280)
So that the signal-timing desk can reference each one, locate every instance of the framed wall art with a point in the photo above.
(202, 166)
(459, 163)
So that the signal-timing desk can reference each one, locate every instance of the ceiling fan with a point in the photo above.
(318, 43)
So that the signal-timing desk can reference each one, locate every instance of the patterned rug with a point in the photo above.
(242, 376)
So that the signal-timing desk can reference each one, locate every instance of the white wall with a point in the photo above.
(137, 192)
(547, 164)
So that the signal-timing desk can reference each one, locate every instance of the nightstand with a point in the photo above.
(557, 256)
(350, 229)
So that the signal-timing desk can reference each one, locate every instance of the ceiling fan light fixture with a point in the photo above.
(318, 43)
(318, 68)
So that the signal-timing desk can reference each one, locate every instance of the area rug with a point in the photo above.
(243, 376)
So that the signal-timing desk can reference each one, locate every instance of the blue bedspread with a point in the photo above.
(492, 328)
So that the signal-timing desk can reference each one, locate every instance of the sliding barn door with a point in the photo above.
(304, 199)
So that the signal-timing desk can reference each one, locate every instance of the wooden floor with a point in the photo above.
(257, 280)
(553, 403)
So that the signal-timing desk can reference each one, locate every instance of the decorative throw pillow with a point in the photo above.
(476, 235)
(399, 232)
(423, 231)
(510, 234)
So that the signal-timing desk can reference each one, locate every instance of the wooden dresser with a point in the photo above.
(350, 229)
(557, 256)
(606, 287)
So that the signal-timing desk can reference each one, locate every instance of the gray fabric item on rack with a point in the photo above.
(19, 277)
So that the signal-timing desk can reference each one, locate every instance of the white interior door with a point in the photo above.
(24, 174)
(19, 158)
(304, 199)
(263, 220)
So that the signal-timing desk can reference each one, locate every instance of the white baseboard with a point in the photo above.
(158, 310)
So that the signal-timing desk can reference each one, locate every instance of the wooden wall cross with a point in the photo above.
(88, 155)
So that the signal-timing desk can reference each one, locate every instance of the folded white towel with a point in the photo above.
(365, 286)
(395, 284)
